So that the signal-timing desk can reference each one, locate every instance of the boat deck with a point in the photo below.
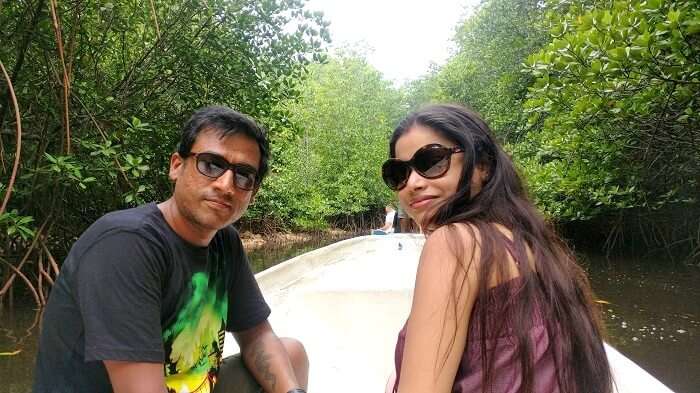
(347, 302)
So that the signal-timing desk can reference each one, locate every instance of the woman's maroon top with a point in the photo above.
(506, 373)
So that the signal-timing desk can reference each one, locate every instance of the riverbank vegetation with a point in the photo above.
(597, 100)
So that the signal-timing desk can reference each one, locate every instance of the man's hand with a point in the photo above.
(133, 377)
(270, 363)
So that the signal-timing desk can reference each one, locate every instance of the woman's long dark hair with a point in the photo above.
(557, 287)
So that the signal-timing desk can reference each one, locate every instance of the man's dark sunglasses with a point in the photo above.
(214, 166)
(430, 161)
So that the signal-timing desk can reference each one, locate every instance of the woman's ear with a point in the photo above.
(484, 173)
(479, 178)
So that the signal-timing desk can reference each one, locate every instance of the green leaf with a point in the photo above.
(674, 16)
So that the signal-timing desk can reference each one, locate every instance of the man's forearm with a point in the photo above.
(269, 363)
(136, 377)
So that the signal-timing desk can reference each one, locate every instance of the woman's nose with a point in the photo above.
(415, 181)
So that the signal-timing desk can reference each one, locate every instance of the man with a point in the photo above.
(145, 294)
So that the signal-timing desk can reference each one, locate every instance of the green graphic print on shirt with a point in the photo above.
(194, 342)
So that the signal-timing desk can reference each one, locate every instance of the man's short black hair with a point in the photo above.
(226, 122)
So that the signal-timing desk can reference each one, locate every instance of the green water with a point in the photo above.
(652, 317)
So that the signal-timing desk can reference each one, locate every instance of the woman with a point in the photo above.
(500, 304)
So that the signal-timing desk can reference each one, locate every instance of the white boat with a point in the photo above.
(347, 302)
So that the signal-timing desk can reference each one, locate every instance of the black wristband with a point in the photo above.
(297, 390)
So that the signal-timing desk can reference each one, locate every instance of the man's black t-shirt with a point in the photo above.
(132, 290)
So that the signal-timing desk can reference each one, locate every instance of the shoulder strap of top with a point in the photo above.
(512, 249)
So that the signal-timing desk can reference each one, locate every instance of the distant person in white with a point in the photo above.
(388, 222)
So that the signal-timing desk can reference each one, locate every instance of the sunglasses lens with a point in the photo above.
(432, 161)
(211, 165)
(395, 173)
(245, 177)
(214, 166)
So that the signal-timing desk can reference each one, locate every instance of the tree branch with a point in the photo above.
(66, 77)
(11, 279)
(155, 18)
(26, 280)
(52, 260)
(21, 54)
(18, 149)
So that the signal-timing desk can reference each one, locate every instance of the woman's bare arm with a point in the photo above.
(434, 342)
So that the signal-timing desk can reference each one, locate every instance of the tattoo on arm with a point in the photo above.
(262, 364)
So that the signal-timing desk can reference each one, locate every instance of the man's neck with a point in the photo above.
(185, 228)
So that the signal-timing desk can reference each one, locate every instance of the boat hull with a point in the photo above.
(347, 302)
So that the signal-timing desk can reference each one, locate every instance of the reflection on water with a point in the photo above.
(19, 334)
(652, 315)
(268, 256)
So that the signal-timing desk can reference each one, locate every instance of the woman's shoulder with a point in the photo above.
(468, 232)
(456, 242)
(464, 241)
(454, 235)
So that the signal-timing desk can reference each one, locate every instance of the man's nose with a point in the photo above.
(225, 182)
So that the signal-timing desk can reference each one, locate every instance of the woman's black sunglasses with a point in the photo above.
(214, 166)
(430, 161)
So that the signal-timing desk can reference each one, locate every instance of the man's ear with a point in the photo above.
(177, 165)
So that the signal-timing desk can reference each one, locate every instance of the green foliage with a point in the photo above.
(16, 225)
(614, 109)
(328, 167)
(134, 78)
(67, 170)
(484, 73)
(597, 100)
